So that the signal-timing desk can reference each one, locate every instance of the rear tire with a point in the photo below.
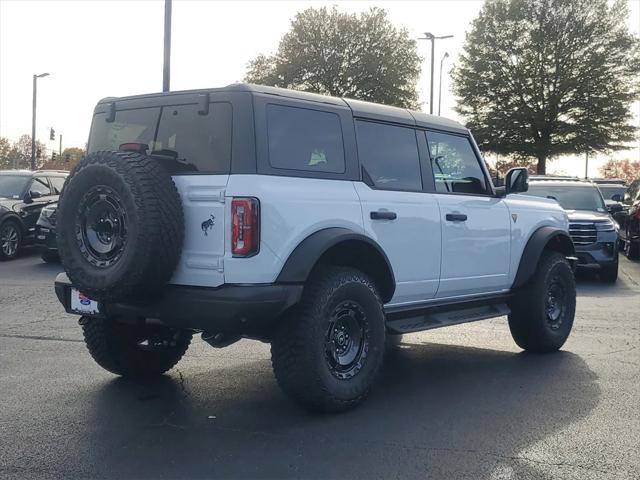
(10, 239)
(50, 256)
(542, 312)
(137, 351)
(329, 349)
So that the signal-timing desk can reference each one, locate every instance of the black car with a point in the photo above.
(593, 231)
(23, 195)
(46, 233)
(629, 219)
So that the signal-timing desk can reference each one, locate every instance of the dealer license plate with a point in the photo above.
(82, 304)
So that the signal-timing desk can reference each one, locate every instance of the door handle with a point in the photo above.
(383, 215)
(456, 217)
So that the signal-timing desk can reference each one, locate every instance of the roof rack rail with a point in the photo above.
(556, 177)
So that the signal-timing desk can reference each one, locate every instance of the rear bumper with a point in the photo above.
(237, 309)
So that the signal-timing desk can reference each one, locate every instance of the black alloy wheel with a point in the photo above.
(347, 340)
(101, 226)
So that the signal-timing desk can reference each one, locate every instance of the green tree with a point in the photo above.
(542, 78)
(360, 56)
(5, 154)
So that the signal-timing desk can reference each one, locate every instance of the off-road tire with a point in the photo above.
(16, 228)
(114, 346)
(49, 256)
(299, 348)
(531, 327)
(609, 274)
(153, 221)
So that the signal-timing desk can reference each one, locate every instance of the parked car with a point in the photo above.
(629, 219)
(46, 233)
(593, 230)
(23, 194)
(318, 224)
(612, 189)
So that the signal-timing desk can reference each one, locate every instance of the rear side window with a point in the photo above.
(389, 155)
(177, 136)
(455, 166)
(304, 139)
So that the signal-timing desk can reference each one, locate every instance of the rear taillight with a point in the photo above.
(245, 226)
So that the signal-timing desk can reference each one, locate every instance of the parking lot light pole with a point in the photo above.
(446, 55)
(33, 119)
(166, 68)
(432, 38)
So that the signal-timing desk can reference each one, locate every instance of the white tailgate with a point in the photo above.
(201, 263)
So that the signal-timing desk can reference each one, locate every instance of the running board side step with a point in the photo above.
(444, 316)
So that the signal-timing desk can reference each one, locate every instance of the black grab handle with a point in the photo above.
(383, 215)
(456, 217)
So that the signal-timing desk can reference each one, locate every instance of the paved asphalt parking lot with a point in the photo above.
(460, 402)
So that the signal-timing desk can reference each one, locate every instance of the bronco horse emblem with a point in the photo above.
(208, 225)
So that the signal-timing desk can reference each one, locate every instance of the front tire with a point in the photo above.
(609, 274)
(329, 349)
(10, 240)
(138, 351)
(543, 311)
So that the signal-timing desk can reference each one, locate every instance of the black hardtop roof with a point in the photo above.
(359, 108)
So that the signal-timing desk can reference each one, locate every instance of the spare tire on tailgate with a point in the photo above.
(120, 225)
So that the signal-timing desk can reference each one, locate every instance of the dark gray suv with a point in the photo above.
(593, 231)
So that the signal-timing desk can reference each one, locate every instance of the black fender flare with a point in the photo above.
(16, 218)
(554, 237)
(304, 257)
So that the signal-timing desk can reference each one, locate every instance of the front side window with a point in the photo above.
(41, 186)
(454, 164)
(57, 183)
(305, 139)
(389, 155)
(178, 136)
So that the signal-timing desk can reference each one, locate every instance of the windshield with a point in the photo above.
(12, 186)
(609, 191)
(570, 197)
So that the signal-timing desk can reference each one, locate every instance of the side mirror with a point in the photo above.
(31, 196)
(517, 180)
(617, 197)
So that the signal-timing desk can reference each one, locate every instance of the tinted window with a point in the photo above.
(129, 126)
(185, 141)
(455, 166)
(389, 155)
(303, 139)
(57, 183)
(570, 197)
(40, 185)
(196, 142)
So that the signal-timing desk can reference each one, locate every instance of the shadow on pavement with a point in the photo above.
(437, 410)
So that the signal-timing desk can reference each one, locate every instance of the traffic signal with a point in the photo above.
(52, 134)
(53, 156)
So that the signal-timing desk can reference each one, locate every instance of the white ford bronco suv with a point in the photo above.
(321, 225)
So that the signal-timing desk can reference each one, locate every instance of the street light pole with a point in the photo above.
(446, 54)
(432, 38)
(166, 70)
(33, 119)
